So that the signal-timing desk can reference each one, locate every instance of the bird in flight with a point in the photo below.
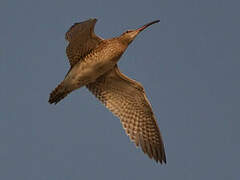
(93, 62)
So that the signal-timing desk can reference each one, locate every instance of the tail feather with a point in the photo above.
(58, 93)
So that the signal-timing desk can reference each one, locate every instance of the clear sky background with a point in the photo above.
(189, 64)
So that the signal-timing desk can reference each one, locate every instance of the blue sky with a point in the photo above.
(188, 64)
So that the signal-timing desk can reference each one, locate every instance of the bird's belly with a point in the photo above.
(88, 71)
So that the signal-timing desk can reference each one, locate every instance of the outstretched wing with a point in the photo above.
(127, 100)
(82, 40)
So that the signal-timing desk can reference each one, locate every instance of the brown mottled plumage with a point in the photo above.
(93, 63)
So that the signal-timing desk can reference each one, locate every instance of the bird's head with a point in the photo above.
(129, 35)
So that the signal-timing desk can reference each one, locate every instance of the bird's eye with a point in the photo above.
(128, 31)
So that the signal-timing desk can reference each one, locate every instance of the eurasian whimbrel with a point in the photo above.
(93, 63)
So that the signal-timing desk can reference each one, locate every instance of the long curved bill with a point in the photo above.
(147, 25)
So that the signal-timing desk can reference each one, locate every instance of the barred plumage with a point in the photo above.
(127, 100)
(93, 63)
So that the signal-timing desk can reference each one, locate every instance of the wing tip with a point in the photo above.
(154, 151)
(68, 35)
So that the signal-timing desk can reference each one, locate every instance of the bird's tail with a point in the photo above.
(60, 92)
